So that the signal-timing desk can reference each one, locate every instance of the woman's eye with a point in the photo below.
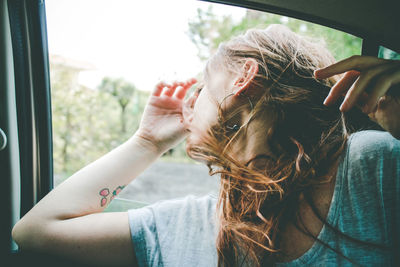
(199, 88)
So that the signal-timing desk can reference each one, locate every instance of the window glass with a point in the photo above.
(105, 57)
(390, 54)
(387, 53)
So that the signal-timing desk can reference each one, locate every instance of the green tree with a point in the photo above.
(76, 130)
(122, 91)
(207, 31)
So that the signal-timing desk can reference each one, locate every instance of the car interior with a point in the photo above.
(26, 137)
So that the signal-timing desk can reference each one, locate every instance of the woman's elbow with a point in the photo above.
(17, 233)
(27, 235)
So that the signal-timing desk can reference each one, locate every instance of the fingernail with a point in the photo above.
(325, 101)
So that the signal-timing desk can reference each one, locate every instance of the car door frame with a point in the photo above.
(25, 100)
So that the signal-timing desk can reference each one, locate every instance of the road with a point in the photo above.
(164, 180)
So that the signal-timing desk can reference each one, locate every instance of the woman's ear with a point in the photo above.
(247, 75)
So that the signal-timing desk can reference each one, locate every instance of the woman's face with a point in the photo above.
(217, 85)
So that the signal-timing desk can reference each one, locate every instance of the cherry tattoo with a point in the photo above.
(105, 192)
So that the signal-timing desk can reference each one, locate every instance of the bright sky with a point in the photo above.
(141, 41)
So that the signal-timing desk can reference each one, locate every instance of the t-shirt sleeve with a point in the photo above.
(144, 236)
(374, 180)
(376, 155)
(175, 232)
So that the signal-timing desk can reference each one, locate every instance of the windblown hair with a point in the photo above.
(305, 138)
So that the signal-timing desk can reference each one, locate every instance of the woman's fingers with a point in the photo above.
(358, 63)
(364, 75)
(191, 81)
(382, 85)
(363, 83)
(184, 87)
(176, 89)
(341, 87)
(170, 89)
(181, 92)
(158, 88)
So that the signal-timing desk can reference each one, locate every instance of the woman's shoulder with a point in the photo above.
(371, 145)
(372, 158)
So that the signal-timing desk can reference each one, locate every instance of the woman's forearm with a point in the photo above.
(92, 188)
(71, 211)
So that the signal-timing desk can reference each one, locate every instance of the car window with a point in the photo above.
(387, 53)
(105, 57)
(390, 54)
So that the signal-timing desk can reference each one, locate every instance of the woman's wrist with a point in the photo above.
(150, 146)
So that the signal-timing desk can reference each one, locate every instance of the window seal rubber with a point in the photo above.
(33, 99)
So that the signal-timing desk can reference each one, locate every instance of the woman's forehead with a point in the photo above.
(213, 64)
(206, 75)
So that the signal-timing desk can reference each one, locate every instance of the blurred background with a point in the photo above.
(105, 58)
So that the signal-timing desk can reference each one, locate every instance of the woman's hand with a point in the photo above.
(164, 123)
(365, 83)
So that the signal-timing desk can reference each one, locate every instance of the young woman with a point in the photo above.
(301, 184)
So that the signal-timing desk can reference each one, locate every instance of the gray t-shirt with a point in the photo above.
(365, 205)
